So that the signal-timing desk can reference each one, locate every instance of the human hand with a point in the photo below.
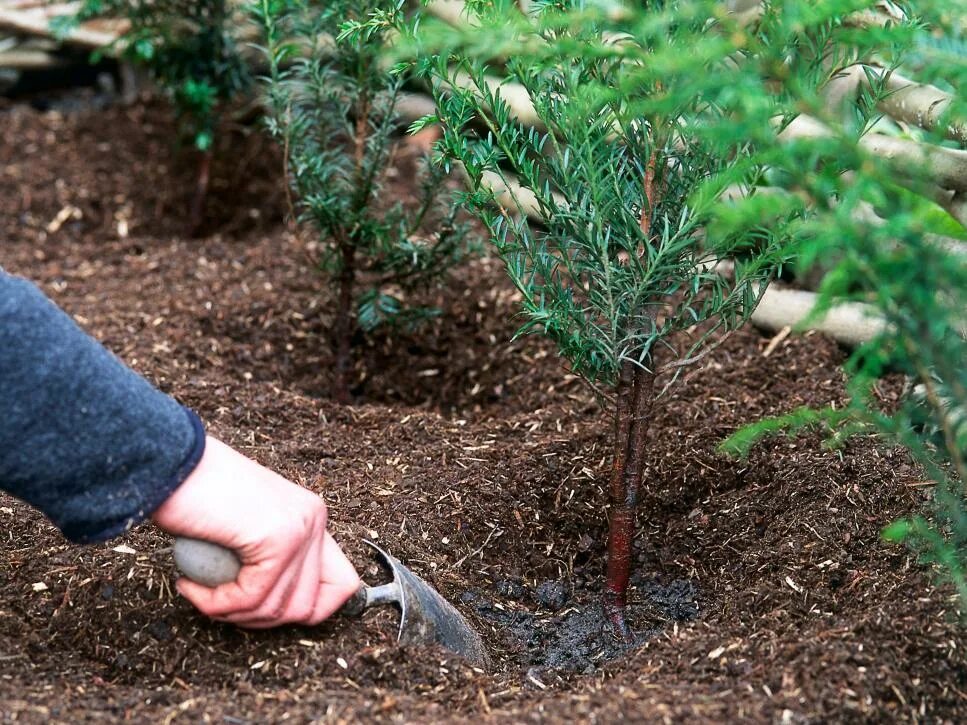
(293, 571)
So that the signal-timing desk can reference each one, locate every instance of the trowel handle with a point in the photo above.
(204, 562)
(213, 564)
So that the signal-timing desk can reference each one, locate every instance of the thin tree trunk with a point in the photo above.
(619, 541)
(343, 326)
(197, 209)
(635, 395)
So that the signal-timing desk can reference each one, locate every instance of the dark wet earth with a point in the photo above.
(549, 627)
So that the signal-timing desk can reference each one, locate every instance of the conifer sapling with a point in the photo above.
(332, 102)
(615, 267)
(191, 50)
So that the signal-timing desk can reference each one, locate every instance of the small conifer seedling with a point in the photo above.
(332, 106)
(192, 52)
(615, 265)
(613, 131)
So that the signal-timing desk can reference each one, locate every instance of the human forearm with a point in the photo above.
(82, 437)
(98, 449)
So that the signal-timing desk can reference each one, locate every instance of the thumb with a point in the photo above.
(338, 579)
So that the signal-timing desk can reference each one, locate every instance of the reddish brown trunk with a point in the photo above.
(197, 209)
(343, 325)
(649, 189)
(635, 394)
(634, 398)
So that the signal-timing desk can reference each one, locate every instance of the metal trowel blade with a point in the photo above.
(428, 618)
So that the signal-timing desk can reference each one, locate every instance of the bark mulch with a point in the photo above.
(763, 591)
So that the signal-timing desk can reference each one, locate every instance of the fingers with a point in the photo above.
(311, 587)
(320, 609)
(207, 600)
(293, 599)
(249, 592)
(273, 609)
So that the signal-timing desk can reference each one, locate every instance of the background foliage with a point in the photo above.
(907, 266)
(190, 48)
(331, 103)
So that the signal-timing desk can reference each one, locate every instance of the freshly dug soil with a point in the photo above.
(578, 638)
(763, 591)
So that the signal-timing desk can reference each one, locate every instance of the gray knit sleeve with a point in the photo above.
(82, 437)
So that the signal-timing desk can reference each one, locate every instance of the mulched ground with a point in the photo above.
(762, 584)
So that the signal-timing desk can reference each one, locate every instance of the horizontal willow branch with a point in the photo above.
(27, 59)
(937, 171)
(851, 324)
(515, 95)
(947, 167)
(863, 214)
(453, 12)
(37, 24)
(411, 107)
(505, 187)
(918, 104)
(748, 12)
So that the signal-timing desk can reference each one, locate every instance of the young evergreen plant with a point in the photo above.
(332, 104)
(602, 234)
(190, 49)
(612, 132)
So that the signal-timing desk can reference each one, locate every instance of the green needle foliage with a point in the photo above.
(188, 47)
(332, 106)
(624, 124)
(614, 261)
(912, 278)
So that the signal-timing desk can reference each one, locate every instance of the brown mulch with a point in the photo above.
(476, 460)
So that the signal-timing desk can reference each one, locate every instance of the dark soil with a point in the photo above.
(553, 634)
(763, 591)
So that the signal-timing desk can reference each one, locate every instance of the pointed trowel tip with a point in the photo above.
(427, 618)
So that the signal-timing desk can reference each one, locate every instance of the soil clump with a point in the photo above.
(572, 634)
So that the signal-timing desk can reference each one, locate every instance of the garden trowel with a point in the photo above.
(425, 616)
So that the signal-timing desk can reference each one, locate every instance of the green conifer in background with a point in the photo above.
(332, 106)
(192, 51)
